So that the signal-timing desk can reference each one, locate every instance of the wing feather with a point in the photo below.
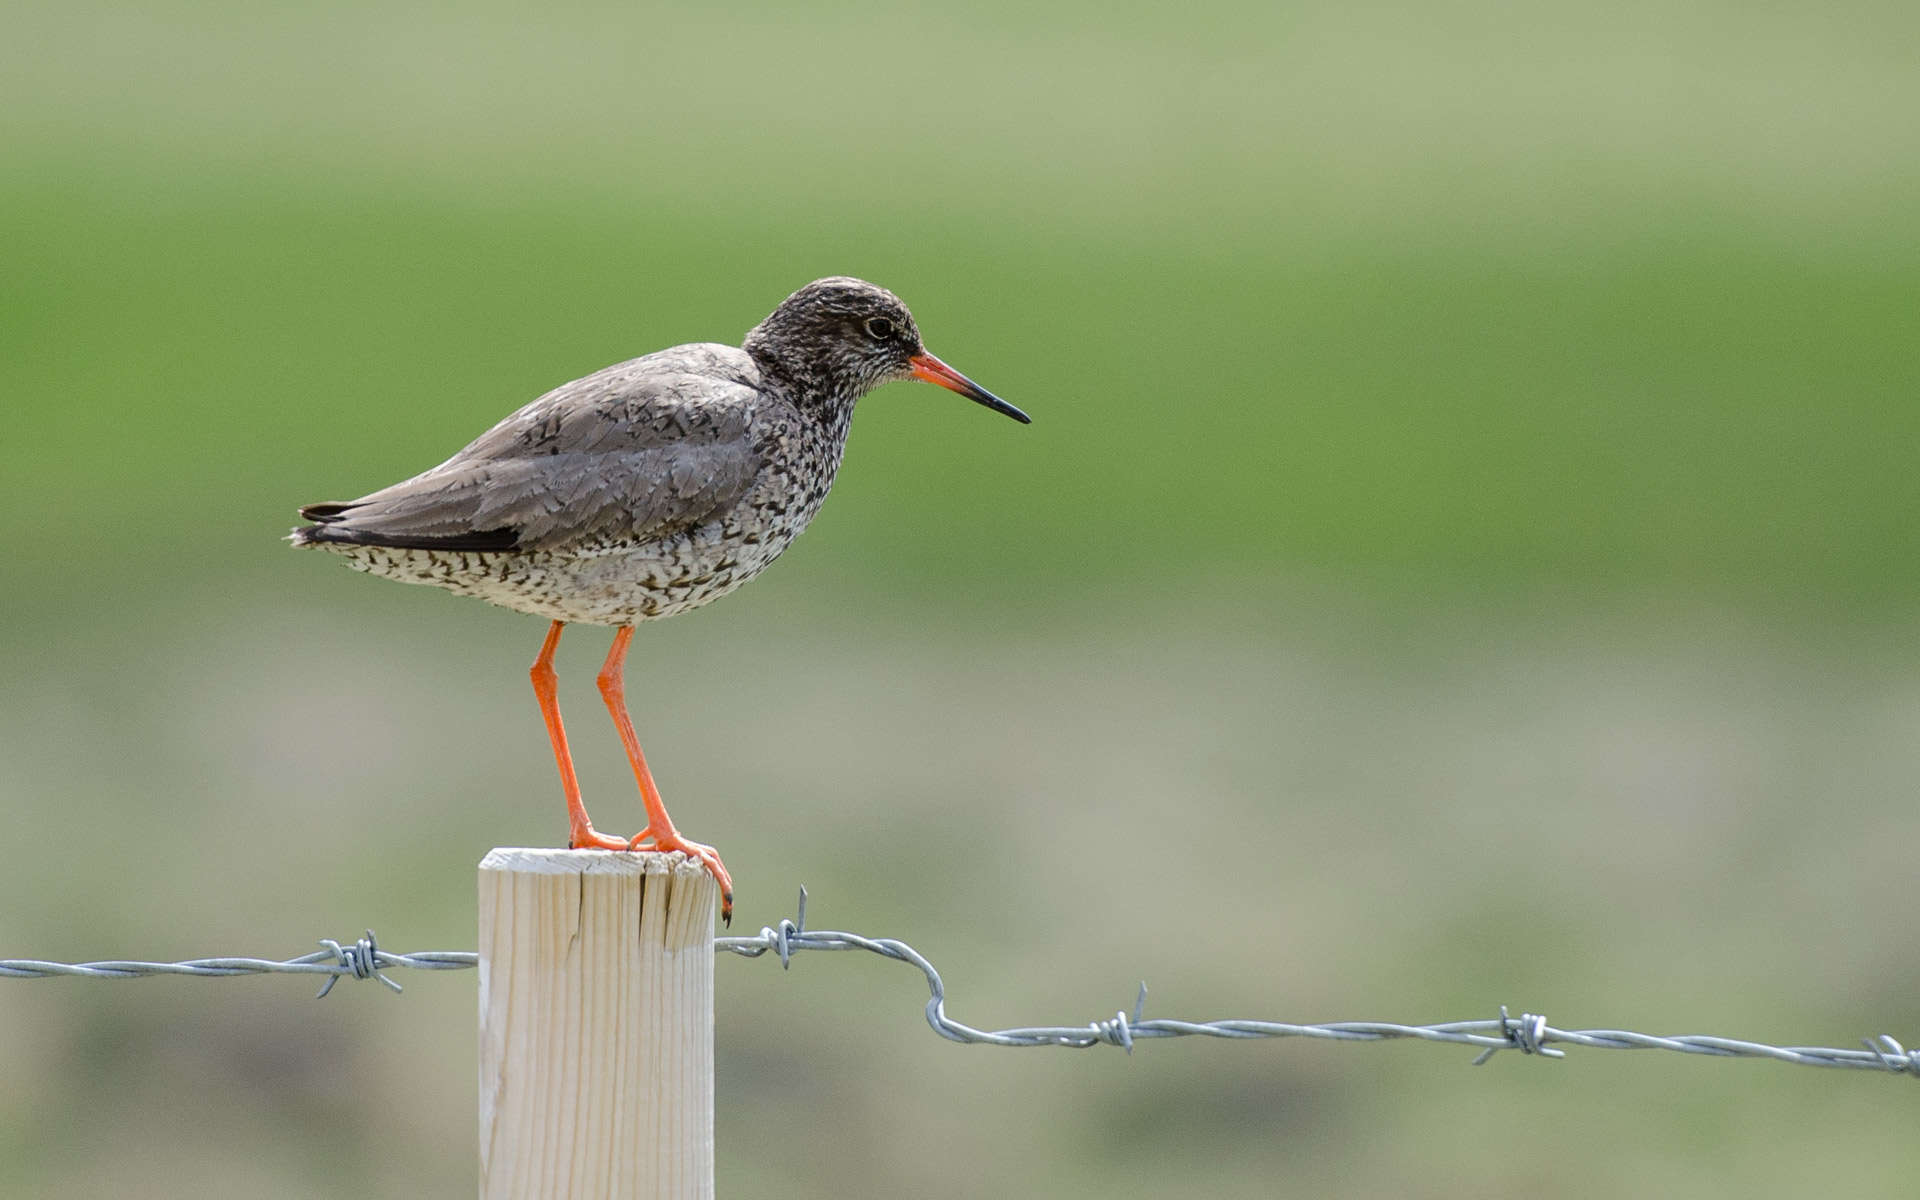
(641, 449)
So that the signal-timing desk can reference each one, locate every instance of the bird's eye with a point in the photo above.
(879, 328)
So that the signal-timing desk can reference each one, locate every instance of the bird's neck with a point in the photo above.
(822, 399)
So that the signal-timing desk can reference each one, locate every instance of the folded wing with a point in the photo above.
(639, 450)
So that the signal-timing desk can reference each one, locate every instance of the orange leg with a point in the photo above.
(659, 834)
(583, 834)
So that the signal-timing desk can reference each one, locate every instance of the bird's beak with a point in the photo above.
(927, 367)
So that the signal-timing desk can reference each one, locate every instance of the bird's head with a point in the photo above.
(843, 337)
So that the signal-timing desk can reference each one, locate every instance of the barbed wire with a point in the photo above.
(360, 960)
(1529, 1033)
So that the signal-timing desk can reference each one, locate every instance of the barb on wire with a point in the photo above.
(362, 959)
(1529, 1033)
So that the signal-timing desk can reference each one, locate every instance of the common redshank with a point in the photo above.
(642, 491)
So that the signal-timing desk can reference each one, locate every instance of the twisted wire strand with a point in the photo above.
(1529, 1033)
(362, 959)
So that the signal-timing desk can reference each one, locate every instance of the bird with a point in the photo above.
(642, 491)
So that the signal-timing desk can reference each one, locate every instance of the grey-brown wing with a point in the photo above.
(641, 449)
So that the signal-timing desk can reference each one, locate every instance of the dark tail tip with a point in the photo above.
(332, 510)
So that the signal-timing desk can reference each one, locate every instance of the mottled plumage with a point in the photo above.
(645, 489)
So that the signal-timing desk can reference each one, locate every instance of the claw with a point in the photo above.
(705, 855)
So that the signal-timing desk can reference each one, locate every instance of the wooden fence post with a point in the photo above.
(596, 1026)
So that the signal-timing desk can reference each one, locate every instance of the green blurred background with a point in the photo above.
(1464, 554)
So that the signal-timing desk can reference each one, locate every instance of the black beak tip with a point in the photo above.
(987, 399)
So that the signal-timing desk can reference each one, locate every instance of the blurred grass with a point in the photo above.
(1695, 411)
(1464, 555)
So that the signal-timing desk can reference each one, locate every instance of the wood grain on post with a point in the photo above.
(596, 1026)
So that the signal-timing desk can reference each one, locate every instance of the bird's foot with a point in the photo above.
(586, 837)
(706, 856)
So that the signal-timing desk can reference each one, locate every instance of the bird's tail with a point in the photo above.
(333, 526)
(322, 515)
